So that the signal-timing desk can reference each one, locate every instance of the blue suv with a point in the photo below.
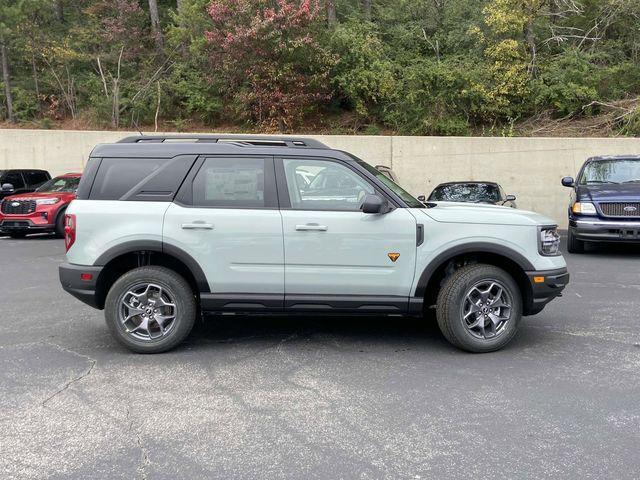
(605, 202)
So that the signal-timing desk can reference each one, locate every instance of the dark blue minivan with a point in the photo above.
(605, 202)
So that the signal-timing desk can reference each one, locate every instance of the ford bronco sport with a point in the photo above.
(166, 228)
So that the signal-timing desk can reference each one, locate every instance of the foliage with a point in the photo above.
(275, 68)
(418, 67)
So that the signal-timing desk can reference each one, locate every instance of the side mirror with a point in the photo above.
(568, 182)
(374, 204)
(422, 198)
(510, 198)
(7, 188)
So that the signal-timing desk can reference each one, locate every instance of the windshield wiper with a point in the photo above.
(637, 180)
(600, 181)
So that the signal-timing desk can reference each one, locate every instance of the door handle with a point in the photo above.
(197, 226)
(312, 227)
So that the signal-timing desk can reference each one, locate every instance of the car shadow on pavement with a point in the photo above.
(613, 249)
(390, 331)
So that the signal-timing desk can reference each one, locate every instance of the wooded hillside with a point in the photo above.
(415, 67)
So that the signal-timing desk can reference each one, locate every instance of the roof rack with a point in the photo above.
(241, 139)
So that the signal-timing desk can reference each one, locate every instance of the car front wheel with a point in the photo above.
(150, 309)
(479, 308)
(573, 244)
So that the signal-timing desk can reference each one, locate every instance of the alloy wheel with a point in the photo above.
(147, 311)
(487, 309)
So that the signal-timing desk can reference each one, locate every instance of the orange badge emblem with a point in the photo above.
(393, 256)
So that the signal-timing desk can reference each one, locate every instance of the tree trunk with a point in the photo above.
(155, 27)
(366, 7)
(36, 82)
(6, 79)
(181, 23)
(530, 38)
(331, 12)
(59, 10)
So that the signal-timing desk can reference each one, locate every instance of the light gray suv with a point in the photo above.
(166, 228)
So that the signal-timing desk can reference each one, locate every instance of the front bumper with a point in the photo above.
(83, 289)
(18, 224)
(598, 230)
(545, 286)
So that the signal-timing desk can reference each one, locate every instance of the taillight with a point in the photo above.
(69, 230)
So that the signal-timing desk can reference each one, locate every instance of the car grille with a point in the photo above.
(18, 207)
(620, 209)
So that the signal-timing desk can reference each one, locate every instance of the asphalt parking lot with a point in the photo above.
(320, 398)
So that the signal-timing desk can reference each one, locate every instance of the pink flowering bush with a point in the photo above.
(275, 70)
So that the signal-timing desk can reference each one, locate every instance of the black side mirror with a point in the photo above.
(7, 188)
(374, 204)
(510, 198)
(422, 198)
(568, 182)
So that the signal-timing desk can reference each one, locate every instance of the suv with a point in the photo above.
(40, 211)
(163, 230)
(604, 205)
(21, 181)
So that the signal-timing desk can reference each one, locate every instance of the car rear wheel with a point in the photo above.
(150, 309)
(479, 308)
(573, 244)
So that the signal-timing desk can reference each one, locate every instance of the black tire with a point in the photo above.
(175, 286)
(573, 244)
(17, 234)
(59, 231)
(450, 305)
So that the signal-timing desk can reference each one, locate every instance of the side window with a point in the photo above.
(35, 179)
(324, 185)
(116, 176)
(235, 183)
(15, 179)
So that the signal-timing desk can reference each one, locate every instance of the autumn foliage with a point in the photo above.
(275, 68)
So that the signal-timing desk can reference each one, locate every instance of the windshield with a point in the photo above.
(466, 192)
(611, 171)
(61, 185)
(409, 199)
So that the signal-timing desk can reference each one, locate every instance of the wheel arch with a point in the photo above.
(129, 255)
(500, 256)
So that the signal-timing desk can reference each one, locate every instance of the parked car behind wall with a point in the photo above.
(472, 192)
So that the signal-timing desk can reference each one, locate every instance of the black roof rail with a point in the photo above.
(241, 139)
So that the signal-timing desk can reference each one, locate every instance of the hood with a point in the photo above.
(609, 192)
(35, 195)
(453, 212)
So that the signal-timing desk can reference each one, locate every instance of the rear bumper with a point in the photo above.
(545, 286)
(599, 230)
(83, 290)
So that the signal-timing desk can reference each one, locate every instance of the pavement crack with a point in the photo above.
(144, 452)
(76, 379)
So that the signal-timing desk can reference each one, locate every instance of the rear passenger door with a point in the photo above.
(226, 217)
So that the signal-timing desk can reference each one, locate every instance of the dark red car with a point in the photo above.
(40, 211)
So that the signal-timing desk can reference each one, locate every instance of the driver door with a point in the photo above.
(331, 247)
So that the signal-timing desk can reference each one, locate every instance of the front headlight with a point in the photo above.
(47, 201)
(549, 241)
(584, 208)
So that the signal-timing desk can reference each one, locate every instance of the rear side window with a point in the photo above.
(117, 176)
(235, 183)
(35, 179)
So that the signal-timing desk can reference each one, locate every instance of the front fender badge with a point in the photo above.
(393, 256)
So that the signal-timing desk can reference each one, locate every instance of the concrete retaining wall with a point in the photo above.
(529, 168)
